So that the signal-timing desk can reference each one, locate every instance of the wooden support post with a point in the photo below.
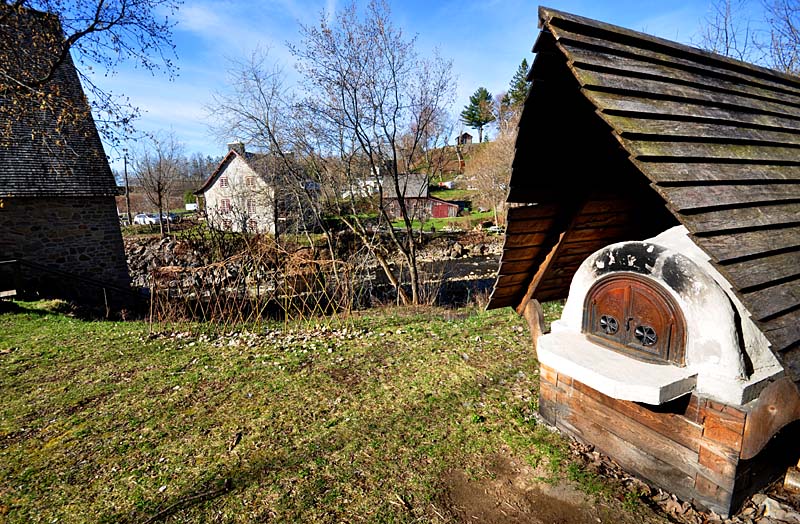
(530, 308)
(777, 406)
(534, 314)
(539, 274)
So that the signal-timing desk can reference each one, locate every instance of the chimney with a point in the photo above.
(237, 146)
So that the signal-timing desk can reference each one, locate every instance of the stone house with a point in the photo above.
(61, 234)
(247, 193)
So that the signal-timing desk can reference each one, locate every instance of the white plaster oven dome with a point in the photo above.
(723, 355)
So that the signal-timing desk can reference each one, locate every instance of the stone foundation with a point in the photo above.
(78, 236)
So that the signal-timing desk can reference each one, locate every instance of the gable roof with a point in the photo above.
(42, 153)
(446, 202)
(255, 161)
(624, 135)
(212, 178)
(412, 185)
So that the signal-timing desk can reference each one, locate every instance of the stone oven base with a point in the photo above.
(691, 447)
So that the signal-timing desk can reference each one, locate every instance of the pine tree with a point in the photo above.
(519, 86)
(479, 111)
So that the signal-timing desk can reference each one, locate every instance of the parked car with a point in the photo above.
(173, 218)
(146, 219)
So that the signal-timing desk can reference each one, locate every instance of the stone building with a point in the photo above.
(237, 196)
(252, 192)
(61, 234)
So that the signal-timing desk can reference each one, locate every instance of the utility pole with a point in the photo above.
(127, 188)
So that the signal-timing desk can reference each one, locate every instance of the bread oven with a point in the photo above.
(651, 321)
(657, 363)
(656, 188)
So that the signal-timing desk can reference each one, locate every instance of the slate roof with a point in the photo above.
(624, 135)
(40, 156)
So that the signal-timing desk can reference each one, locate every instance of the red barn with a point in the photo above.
(442, 208)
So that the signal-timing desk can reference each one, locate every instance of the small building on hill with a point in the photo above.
(464, 139)
(655, 187)
(60, 230)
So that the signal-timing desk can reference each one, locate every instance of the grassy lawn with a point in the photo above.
(439, 224)
(453, 194)
(104, 422)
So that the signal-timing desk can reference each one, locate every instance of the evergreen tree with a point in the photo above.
(519, 86)
(479, 111)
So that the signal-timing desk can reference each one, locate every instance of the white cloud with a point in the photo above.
(330, 9)
(199, 18)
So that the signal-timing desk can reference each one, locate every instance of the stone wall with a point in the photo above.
(76, 235)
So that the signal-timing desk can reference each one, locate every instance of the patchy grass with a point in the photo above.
(453, 194)
(441, 224)
(104, 422)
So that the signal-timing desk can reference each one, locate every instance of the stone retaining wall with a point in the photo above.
(79, 235)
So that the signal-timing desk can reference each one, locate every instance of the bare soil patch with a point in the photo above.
(513, 492)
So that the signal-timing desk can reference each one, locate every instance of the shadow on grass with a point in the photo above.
(312, 488)
(55, 306)
(9, 306)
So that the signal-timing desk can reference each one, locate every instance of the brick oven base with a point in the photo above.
(691, 447)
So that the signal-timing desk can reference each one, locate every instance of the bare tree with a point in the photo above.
(159, 167)
(771, 39)
(728, 31)
(258, 109)
(38, 37)
(374, 100)
(783, 18)
(199, 168)
(435, 153)
(489, 168)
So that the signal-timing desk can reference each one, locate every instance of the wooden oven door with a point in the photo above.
(636, 316)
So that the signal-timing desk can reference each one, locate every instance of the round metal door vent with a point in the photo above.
(645, 335)
(609, 324)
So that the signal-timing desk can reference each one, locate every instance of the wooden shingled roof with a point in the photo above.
(52, 150)
(624, 135)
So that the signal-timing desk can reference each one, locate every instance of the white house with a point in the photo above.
(237, 196)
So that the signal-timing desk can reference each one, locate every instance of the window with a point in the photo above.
(225, 206)
(637, 317)
(250, 181)
(251, 207)
(226, 224)
(252, 226)
(223, 181)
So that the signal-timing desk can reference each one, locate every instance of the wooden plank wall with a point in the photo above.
(717, 140)
(693, 454)
(593, 198)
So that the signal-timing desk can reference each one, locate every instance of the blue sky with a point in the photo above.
(486, 40)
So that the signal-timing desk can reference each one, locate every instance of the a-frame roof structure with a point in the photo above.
(624, 135)
(52, 149)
